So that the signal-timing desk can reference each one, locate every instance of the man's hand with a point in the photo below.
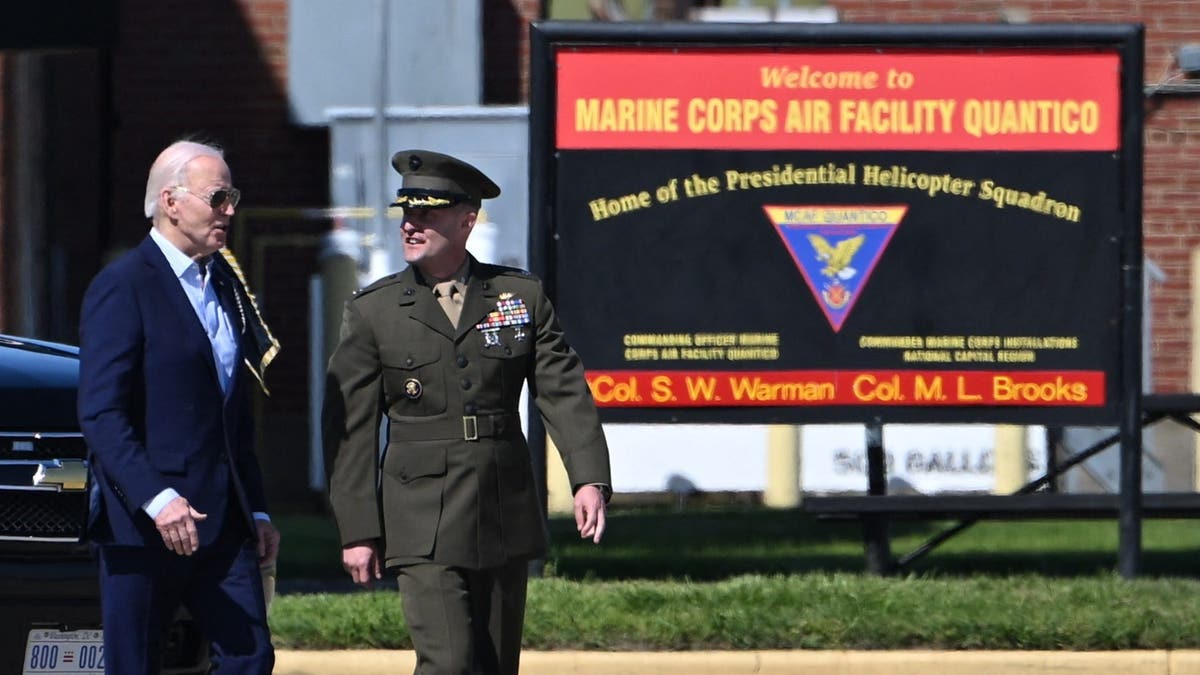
(361, 560)
(268, 542)
(177, 525)
(589, 513)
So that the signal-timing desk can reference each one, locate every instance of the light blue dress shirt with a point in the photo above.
(203, 296)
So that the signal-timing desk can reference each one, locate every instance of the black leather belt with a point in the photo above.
(465, 428)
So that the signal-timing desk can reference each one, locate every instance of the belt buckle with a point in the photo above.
(470, 428)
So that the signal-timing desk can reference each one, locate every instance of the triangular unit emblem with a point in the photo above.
(835, 249)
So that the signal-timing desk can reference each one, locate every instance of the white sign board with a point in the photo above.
(922, 458)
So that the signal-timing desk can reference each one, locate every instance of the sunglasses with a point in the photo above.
(217, 199)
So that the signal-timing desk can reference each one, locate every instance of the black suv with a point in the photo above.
(49, 594)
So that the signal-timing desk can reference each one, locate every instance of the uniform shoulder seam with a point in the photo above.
(505, 270)
(390, 280)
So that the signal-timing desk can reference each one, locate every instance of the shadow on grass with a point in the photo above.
(699, 567)
(1180, 564)
(718, 544)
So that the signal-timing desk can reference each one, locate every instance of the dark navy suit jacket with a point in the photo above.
(151, 406)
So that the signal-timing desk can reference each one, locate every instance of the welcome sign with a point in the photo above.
(789, 226)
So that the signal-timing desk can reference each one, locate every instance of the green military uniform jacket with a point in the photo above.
(455, 484)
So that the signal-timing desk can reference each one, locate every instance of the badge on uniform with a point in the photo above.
(412, 388)
(510, 311)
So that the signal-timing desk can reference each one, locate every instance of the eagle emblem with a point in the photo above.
(837, 257)
(412, 389)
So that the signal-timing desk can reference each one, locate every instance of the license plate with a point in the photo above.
(58, 651)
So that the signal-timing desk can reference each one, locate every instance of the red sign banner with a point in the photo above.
(997, 99)
(675, 389)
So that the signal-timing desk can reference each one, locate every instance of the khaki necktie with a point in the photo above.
(450, 298)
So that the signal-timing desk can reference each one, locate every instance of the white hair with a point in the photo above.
(171, 167)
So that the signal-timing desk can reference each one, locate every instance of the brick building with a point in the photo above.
(89, 96)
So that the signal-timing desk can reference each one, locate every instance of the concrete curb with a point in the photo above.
(915, 662)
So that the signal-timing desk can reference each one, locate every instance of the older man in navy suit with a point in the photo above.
(179, 514)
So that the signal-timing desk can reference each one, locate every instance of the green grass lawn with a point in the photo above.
(748, 578)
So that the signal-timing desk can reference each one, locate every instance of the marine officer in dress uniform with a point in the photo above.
(443, 349)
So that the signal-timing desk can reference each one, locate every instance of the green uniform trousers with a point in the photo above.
(464, 621)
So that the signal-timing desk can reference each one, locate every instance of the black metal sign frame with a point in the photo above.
(1117, 327)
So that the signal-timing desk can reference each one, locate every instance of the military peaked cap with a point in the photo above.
(432, 180)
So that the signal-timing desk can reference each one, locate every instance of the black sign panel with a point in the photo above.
(908, 232)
